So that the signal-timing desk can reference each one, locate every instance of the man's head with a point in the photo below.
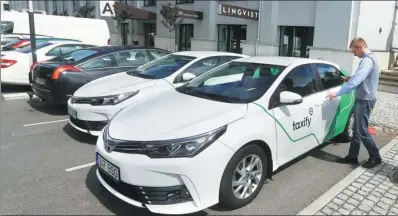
(358, 47)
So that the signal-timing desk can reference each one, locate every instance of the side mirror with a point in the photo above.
(290, 98)
(188, 77)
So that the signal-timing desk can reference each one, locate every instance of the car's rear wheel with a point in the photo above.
(243, 177)
(348, 132)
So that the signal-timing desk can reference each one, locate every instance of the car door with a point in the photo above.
(130, 59)
(99, 67)
(335, 112)
(298, 126)
(198, 68)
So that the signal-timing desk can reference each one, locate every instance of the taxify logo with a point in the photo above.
(306, 122)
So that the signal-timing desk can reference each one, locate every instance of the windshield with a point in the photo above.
(28, 49)
(76, 55)
(234, 82)
(162, 67)
(7, 27)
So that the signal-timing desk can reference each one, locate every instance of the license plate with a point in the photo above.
(40, 81)
(108, 167)
(72, 113)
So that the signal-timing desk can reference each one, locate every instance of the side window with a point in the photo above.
(300, 80)
(63, 49)
(204, 65)
(329, 75)
(101, 62)
(157, 53)
(230, 58)
(132, 58)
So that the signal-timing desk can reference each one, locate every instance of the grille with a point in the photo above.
(89, 125)
(149, 195)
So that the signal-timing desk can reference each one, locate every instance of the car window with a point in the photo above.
(203, 65)
(300, 80)
(101, 62)
(329, 75)
(132, 58)
(7, 27)
(157, 53)
(230, 58)
(28, 49)
(63, 49)
(77, 55)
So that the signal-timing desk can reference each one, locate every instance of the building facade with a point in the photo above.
(308, 29)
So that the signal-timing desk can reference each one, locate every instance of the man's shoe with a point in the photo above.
(372, 162)
(348, 160)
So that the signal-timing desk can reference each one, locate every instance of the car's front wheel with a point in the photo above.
(243, 177)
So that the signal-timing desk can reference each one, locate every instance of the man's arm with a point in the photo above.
(365, 66)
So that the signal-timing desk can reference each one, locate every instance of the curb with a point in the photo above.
(324, 199)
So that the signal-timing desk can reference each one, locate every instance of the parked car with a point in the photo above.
(6, 38)
(56, 80)
(16, 64)
(95, 103)
(236, 124)
(25, 41)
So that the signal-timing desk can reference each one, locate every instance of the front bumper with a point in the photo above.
(92, 119)
(139, 174)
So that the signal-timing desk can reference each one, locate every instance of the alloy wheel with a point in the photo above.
(247, 176)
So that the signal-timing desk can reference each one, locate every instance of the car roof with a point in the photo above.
(115, 48)
(281, 60)
(201, 54)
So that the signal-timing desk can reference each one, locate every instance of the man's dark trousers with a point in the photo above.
(362, 110)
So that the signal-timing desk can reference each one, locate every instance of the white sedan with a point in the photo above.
(216, 139)
(93, 104)
(16, 64)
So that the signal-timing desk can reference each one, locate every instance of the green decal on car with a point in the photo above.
(341, 117)
(256, 73)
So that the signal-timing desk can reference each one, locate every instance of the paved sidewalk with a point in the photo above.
(364, 191)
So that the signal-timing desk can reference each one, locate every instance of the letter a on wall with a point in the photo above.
(106, 8)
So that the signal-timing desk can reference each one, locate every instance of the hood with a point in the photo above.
(113, 84)
(172, 115)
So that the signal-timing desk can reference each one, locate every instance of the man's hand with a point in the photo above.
(332, 95)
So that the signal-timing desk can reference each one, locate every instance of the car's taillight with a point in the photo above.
(20, 43)
(58, 71)
(34, 64)
(5, 63)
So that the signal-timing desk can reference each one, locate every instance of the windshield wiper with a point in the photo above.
(134, 73)
(216, 97)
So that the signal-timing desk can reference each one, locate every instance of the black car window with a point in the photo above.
(77, 55)
(63, 49)
(300, 80)
(230, 58)
(106, 61)
(158, 53)
(132, 58)
(329, 75)
(202, 66)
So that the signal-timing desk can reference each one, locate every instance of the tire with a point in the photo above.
(227, 196)
(346, 136)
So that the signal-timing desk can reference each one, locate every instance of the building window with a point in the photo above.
(184, 1)
(124, 32)
(230, 38)
(124, 2)
(150, 3)
(88, 3)
(55, 9)
(150, 32)
(185, 33)
(75, 4)
(294, 41)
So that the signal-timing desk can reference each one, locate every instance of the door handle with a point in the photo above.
(322, 103)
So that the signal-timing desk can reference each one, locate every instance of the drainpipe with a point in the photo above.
(258, 27)
(392, 56)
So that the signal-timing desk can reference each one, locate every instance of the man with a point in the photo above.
(364, 82)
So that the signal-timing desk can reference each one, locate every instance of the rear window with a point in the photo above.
(28, 49)
(77, 55)
(7, 27)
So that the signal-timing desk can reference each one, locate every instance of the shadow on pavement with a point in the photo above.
(114, 204)
(45, 107)
(79, 136)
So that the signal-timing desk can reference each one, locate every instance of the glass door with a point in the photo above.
(230, 38)
(150, 31)
(124, 27)
(185, 34)
(294, 41)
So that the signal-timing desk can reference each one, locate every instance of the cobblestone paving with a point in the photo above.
(385, 112)
(372, 193)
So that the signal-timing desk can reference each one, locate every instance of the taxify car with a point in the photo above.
(93, 104)
(218, 137)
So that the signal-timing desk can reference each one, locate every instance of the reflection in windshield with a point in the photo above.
(234, 82)
(162, 67)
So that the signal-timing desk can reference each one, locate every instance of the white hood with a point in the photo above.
(113, 84)
(173, 115)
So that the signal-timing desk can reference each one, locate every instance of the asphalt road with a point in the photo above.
(34, 180)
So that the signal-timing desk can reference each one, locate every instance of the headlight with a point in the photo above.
(104, 100)
(184, 147)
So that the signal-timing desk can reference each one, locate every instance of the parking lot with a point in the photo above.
(47, 168)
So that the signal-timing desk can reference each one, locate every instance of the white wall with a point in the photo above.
(296, 13)
(373, 16)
